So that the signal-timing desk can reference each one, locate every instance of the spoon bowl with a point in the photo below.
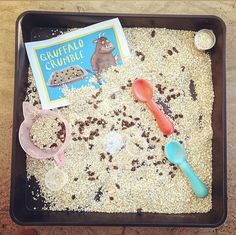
(175, 151)
(142, 90)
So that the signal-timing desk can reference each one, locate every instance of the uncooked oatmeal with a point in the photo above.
(47, 132)
(115, 161)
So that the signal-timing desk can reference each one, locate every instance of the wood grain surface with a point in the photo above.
(9, 10)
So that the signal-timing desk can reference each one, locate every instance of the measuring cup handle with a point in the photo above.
(59, 158)
(198, 186)
(29, 111)
(164, 123)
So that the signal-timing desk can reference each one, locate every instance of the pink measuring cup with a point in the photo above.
(31, 114)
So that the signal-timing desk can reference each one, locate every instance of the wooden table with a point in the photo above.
(9, 10)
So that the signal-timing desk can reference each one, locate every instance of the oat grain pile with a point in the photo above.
(137, 177)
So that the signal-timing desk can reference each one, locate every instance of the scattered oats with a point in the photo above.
(42, 137)
(142, 189)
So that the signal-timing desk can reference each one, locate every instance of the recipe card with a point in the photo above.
(73, 58)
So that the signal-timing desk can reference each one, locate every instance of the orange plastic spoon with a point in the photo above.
(143, 92)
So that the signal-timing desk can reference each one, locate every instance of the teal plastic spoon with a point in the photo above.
(176, 154)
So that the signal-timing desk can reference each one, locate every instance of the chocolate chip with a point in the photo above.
(133, 169)
(75, 179)
(170, 172)
(158, 162)
(160, 173)
(34, 89)
(98, 195)
(163, 147)
(181, 142)
(153, 33)
(91, 146)
(200, 119)
(192, 89)
(175, 50)
(170, 52)
(161, 74)
(123, 87)
(136, 119)
(129, 85)
(35, 103)
(102, 156)
(150, 157)
(116, 70)
(91, 173)
(165, 136)
(115, 167)
(134, 162)
(111, 198)
(112, 127)
(113, 96)
(182, 68)
(143, 164)
(171, 90)
(164, 160)
(145, 134)
(95, 106)
(175, 168)
(141, 55)
(54, 145)
(139, 146)
(91, 178)
(181, 115)
(117, 185)
(116, 113)
(73, 197)
(173, 175)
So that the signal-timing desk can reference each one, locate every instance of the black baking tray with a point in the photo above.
(34, 25)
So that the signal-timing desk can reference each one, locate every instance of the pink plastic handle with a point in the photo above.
(59, 158)
(163, 122)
